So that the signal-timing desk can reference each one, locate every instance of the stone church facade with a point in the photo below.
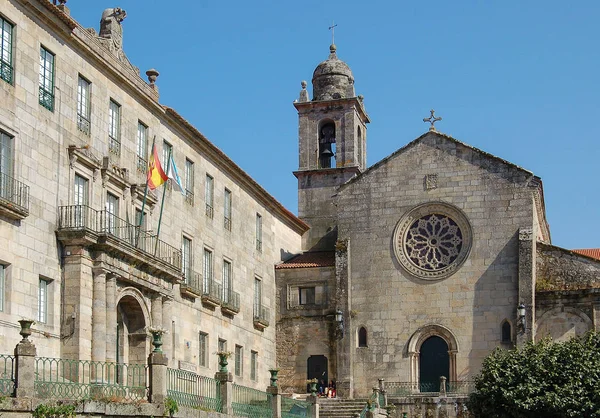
(420, 265)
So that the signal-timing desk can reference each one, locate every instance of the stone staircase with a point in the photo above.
(340, 408)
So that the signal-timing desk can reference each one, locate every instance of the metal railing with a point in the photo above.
(142, 165)
(14, 192)
(79, 217)
(262, 314)
(423, 388)
(227, 223)
(193, 282)
(251, 403)
(114, 146)
(189, 197)
(231, 300)
(79, 379)
(209, 211)
(7, 375)
(83, 124)
(193, 391)
(212, 290)
(6, 71)
(293, 408)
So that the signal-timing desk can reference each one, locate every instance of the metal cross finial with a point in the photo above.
(332, 29)
(432, 119)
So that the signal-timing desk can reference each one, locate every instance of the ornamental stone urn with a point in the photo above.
(274, 377)
(26, 329)
(223, 356)
(157, 340)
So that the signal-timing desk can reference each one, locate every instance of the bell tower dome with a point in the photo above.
(331, 146)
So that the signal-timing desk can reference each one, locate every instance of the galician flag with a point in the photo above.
(156, 175)
(173, 174)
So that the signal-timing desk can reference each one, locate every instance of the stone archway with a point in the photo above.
(416, 342)
(132, 320)
(562, 323)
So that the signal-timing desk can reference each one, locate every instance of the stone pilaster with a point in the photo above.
(167, 312)
(344, 360)
(111, 318)
(99, 316)
(527, 277)
(226, 388)
(157, 311)
(596, 317)
(158, 377)
(275, 400)
(25, 353)
(313, 406)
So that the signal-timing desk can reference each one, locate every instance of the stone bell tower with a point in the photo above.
(332, 147)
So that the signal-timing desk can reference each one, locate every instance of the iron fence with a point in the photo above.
(83, 217)
(251, 403)
(193, 391)
(424, 388)
(7, 375)
(80, 379)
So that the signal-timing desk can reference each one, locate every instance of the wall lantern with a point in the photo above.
(339, 320)
(521, 318)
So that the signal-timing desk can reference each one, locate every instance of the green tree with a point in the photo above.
(544, 379)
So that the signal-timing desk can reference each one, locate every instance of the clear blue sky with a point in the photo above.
(516, 79)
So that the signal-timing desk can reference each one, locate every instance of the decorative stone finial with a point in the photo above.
(152, 76)
(432, 120)
(303, 92)
(332, 48)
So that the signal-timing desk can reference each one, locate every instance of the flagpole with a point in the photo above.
(162, 204)
(137, 239)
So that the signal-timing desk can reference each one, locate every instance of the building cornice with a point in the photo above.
(320, 104)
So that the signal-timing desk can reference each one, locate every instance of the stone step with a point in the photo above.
(340, 408)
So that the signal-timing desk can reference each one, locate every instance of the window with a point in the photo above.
(239, 360)
(47, 79)
(80, 200)
(202, 348)
(253, 364)
(258, 232)
(362, 337)
(227, 210)
(186, 253)
(114, 128)
(227, 285)
(2, 286)
(207, 270)
(506, 332)
(142, 147)
(6, 167)
(6, 52)
(222, 347)
(83, 105)
(209, 196)
(43, 301)
(257, 296)
(112, 213)
(189, 181)
(307, 295)
(140, 219)
(167, 152)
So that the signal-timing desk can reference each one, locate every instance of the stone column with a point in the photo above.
(167, 312)
(158, 377)
(275, 400)
(25, 353)
(314, 406)
(527, 277)
(99, 316)
(226, 388)
(111, 318)
(157, 311)
(376, 396)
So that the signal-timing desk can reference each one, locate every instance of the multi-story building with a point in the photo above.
(81, 249)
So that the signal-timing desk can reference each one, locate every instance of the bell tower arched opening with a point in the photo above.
(327, 144)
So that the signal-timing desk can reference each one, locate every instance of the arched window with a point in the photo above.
(362, 337)
(327, 144)
(506, 332)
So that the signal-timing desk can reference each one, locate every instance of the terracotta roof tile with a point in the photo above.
(590, 252)
(309, 259)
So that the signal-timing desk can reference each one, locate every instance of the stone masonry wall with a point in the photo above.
(561, 269)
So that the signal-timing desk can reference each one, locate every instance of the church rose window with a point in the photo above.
(432, 241)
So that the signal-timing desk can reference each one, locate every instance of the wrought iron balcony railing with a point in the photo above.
(83, 217)
(14, 196)
(261, 316)
(231, 302)
(211, 292)
(114, 146)
(83, 124)
(192, 284)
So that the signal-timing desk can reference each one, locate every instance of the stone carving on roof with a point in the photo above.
(111, 34)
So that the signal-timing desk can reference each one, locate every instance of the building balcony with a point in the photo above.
(231, 302)
(192, 285)
(101, 230)
(14, 197)
(261, 316)
(211, 293)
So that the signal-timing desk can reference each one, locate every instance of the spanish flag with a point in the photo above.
(156, 175)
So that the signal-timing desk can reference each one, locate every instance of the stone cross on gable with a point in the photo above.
(432, 120)
(332, 29)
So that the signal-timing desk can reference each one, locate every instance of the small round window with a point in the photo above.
(432, 241)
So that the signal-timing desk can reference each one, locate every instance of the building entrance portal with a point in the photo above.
(316, 368)
(131, 332)
(434, 362)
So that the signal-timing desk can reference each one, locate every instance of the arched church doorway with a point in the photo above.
(316, 368)
(131, 331)
(434, 361)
